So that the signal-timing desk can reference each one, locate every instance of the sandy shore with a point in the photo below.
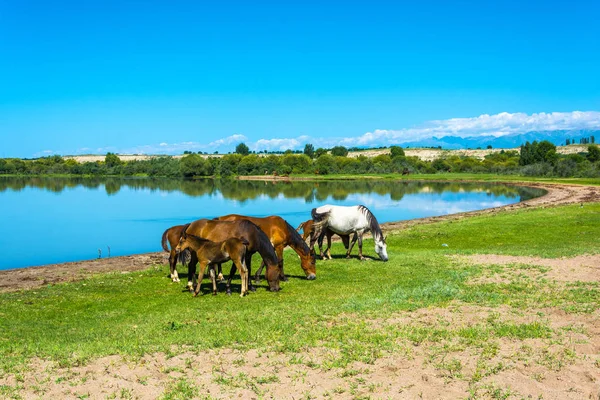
(33, 277)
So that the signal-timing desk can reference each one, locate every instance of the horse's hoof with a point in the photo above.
(311, 277)
(228, 292)
(284, 278)
(252, 289)
(214, 293)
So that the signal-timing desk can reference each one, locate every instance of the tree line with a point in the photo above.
(533, 159)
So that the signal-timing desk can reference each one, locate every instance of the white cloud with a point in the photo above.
(484, 125)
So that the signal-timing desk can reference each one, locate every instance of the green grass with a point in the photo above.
(139, 313)
(454, 176)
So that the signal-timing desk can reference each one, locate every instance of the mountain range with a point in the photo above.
(558, 137)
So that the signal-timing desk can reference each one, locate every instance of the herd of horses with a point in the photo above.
(211, 242)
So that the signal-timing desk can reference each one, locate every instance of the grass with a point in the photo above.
(139, 313)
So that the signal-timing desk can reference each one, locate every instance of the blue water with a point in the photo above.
(46, 221)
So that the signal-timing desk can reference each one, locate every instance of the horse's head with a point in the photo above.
(183, 243)
(309, 265)
(272, 275)
(381, 248)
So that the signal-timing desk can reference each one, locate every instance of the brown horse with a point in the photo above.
(281, 234)
(218, 231)
(210, 253)
(172, 235)
(307, 231)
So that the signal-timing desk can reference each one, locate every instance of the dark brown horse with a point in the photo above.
(281, 234)
(210, 254)
(258, 242)
(307, 231)
(172, 236)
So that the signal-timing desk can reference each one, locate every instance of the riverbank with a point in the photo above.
(38, 276)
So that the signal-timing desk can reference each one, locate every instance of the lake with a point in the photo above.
(51, 220)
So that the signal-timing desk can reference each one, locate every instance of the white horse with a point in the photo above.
(346, 220)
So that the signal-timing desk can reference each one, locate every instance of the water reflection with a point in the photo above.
(242, 190)
(130, 215)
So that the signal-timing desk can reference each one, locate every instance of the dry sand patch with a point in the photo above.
(584, 268)
(562, 366)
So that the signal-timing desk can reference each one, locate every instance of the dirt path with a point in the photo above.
(32, 277)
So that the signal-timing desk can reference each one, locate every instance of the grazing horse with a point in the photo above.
(307, 230)
(346, 220)
(281, 234)
(210, 253)
(258, 241)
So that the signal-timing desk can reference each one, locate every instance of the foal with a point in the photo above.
(308, 228)
(210, 253)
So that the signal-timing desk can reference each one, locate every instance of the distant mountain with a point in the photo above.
(504, 142)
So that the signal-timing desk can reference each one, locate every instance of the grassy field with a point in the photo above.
(457, 177)
(144, 313)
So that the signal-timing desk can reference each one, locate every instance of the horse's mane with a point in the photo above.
(263, 244)
(296, 238)
(373, 224)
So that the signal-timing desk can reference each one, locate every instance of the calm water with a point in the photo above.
(50, 220)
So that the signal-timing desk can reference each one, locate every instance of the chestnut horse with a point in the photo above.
(281, 234)
(307, 230)
(218, 231)
(210, 253)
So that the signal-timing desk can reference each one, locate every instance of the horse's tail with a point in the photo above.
(319, 220)
(164, 241)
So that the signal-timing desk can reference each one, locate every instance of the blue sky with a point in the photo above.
(132, 76)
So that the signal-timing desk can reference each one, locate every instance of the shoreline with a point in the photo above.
(36, 276)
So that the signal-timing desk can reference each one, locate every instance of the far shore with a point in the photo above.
(37, 276)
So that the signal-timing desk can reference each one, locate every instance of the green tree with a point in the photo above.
(309, 150)
(319, 152)
(242, 149)
(339, 151)
(396, 151)
(593, 154)
(112, 160)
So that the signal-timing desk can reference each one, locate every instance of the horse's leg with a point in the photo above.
(192, 271)
(231, 274)
(200, 277)
(328, 251)
(249, 267)
(242, 269)
(279, 252)
(220, 277)
(173, 266)
(320, 244)
(351, 244)
(360, 237)
(257, 275)
(213, 279)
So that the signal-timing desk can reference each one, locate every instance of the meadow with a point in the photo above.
(430, 307)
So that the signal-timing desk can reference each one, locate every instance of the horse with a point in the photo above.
(172, 236)
(210, 253)
(258, 241)
(346, 220)
(307, 230)
(281, 234)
